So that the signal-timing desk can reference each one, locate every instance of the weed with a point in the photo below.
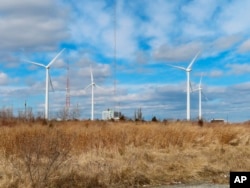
(120, 154)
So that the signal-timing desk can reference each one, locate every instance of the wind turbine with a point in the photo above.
(188, 70)
(199, 89)
(47, 67)
(92, 84)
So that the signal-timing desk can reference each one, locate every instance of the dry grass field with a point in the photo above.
(120, 154)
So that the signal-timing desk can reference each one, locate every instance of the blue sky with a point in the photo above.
(149, 35)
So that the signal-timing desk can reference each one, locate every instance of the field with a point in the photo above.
(120, 154)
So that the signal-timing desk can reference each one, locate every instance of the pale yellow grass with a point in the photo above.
(121, 154)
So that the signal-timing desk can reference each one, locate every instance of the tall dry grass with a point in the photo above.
(120, 154)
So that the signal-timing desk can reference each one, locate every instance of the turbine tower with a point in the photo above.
(199, 89)
(92, 84)
(47, 67)
(187, 70)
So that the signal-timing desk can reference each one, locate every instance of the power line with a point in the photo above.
(114, 58)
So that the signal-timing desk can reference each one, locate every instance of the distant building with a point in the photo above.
(217, 121)
(107, 114)
(110, 114)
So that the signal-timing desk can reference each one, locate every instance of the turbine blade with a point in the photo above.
(204, 95)
(200, 80)
(191, 88)
(195, 90)
(53, 60)
(38, 64)
(99, 86)
(88, 86)
(192, 62)
(177, 67)
(91, 75)
(51, 83)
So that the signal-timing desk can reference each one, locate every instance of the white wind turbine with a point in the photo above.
(199, 89)
(47, 67)
(92, 85)
(187, 70)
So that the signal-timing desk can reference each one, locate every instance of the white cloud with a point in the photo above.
(33, 25)
(160, 23)
(92, 27)
(3, 78)
(184, 52)
(234, 17)
(200, 11)
(225, 42)
(238, 69)
(242, 87)
(245, 46)
(215, 73)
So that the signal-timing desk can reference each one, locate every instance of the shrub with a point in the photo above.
(154, 119)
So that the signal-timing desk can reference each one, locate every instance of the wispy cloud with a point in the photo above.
(183, 52)
(3, 78)
(238, 69)
(245, 46)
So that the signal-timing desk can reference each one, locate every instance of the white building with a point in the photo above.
(107, 115)
(110, 114)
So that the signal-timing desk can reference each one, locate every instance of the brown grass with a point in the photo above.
(120, 154)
